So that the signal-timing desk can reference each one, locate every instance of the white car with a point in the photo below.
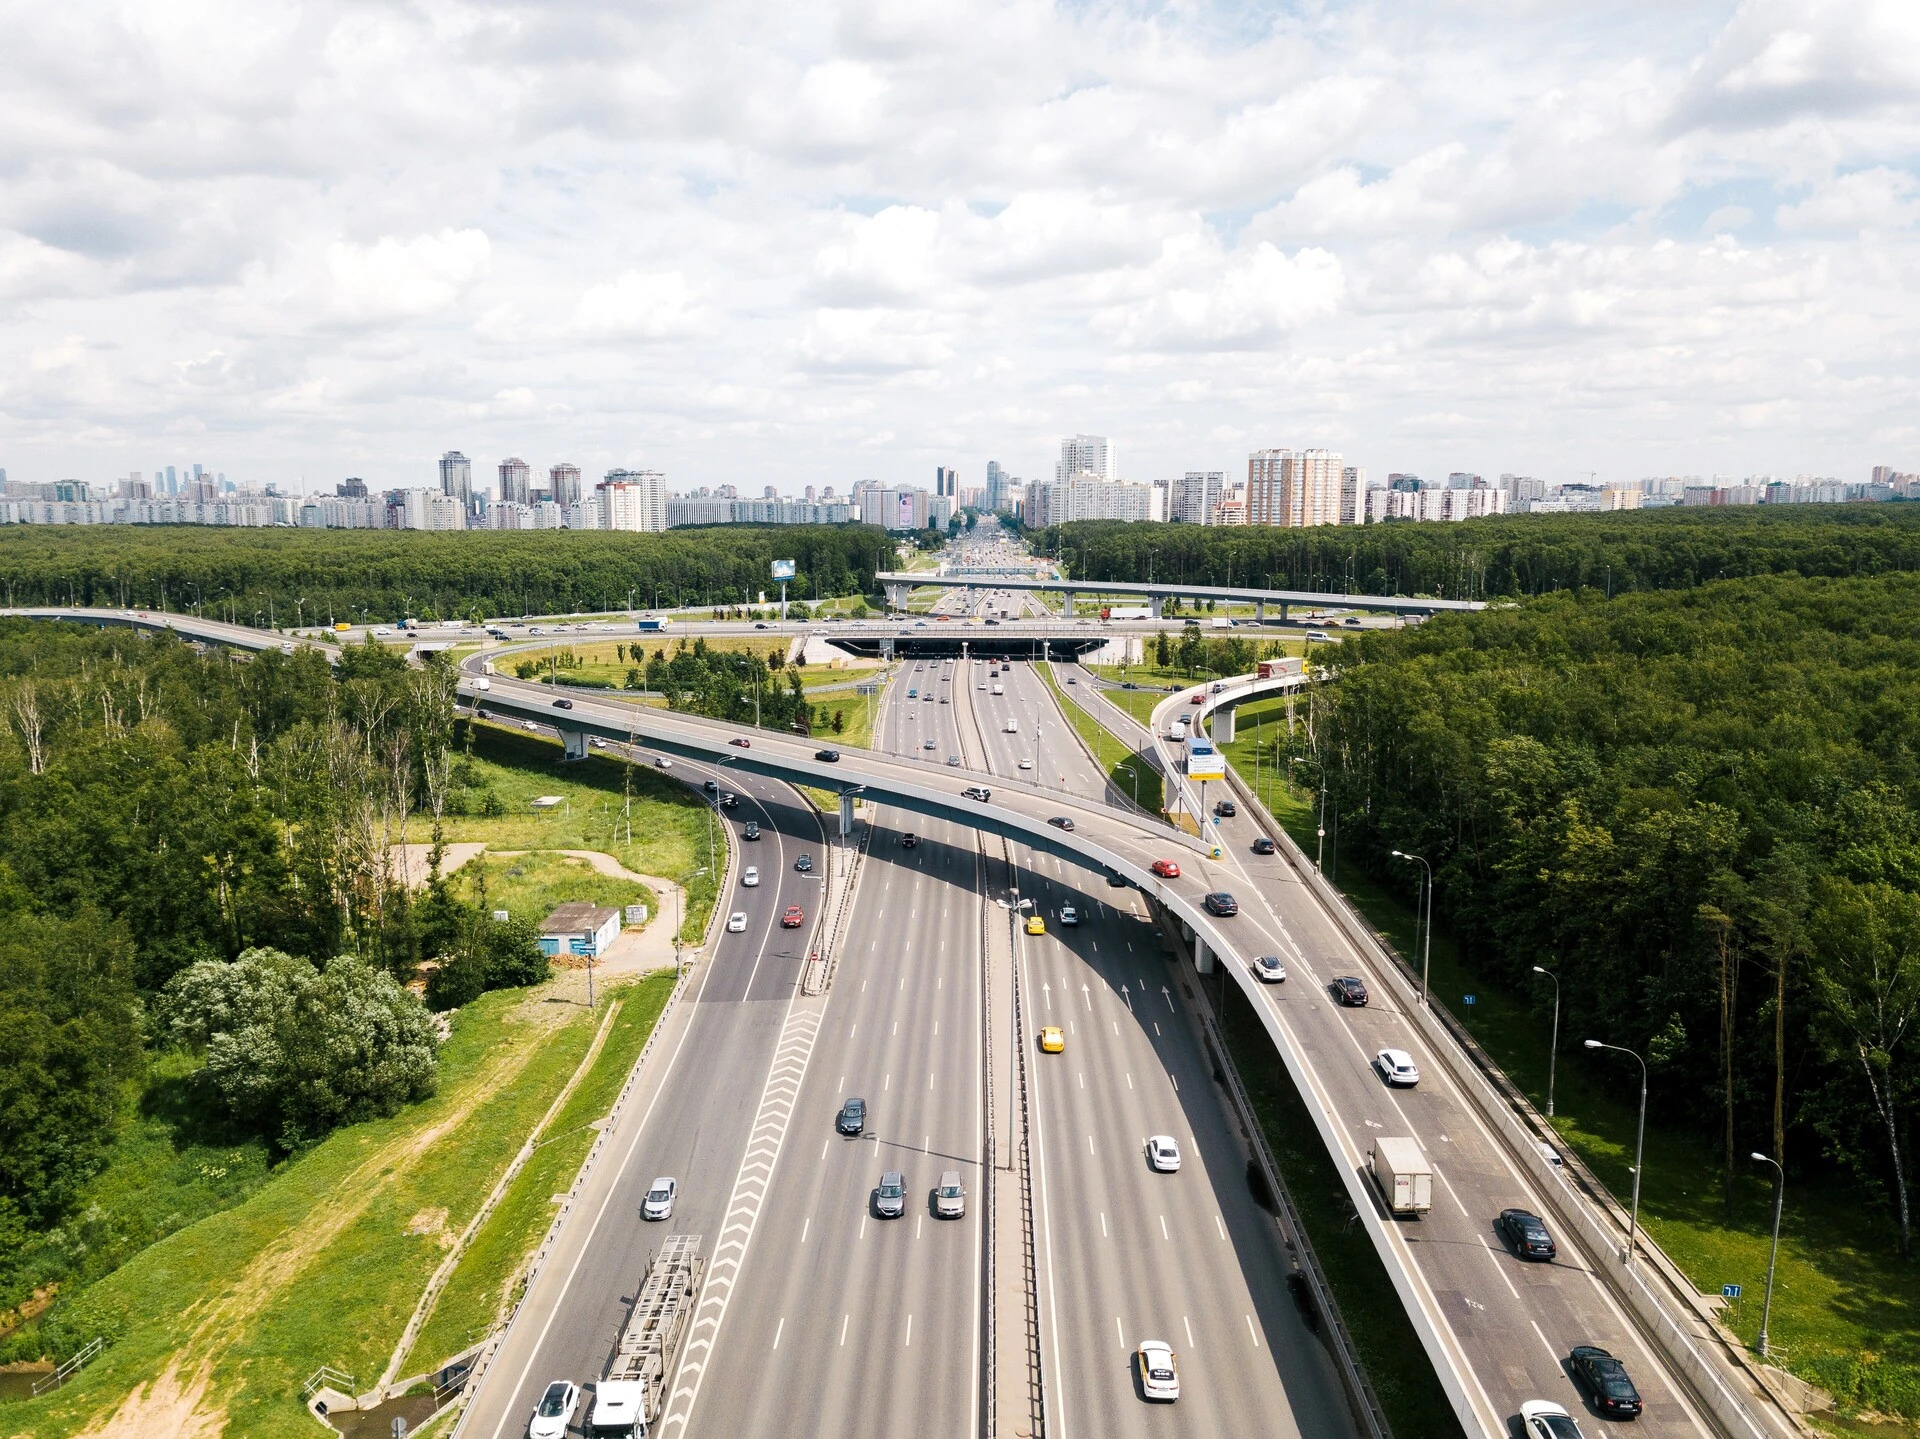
(661, 761)
(1268, 969)
(751, 877)
(1069, 916)
(1163, 1154)
(1159, 1370)
(1396, 1066)
(1026, 764)
(1544, 1419)
(737, 922)
(660, 1196)
(554, 1411)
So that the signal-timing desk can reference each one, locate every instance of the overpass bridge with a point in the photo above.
(1156, 592)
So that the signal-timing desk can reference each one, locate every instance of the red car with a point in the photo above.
(741, 743)
(1196, 699)
(1166, 869)
(793, 918)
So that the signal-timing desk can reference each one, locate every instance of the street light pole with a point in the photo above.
(1639, 1145)
(1553, 1054)
(1426, 891)
(1773, 1255)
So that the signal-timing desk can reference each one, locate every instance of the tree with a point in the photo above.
(1162, 650)
(1193, 649)
(292, 1051)
(1868, 981)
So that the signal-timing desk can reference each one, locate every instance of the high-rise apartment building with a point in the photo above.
(1195, 496)
(1293, 489)
(563, 481)
(1086, 496)
(1353, 495)
(354, 488)
(456, 477)
(516, 478)
(946, 481)
(1092, 453)
(633, 500)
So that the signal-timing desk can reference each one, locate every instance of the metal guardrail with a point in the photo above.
(325, 1377)
(67, 1370)
(1029, 1256)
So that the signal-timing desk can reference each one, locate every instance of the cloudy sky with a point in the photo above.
(804, 243)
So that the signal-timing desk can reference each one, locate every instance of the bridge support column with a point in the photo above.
(1283, 612)
(1153, 605)
(1223, 726)
(1068, 611)
(846, 813)
(1259, 612)
(1202, 956)
(576, 743)
(896, 597)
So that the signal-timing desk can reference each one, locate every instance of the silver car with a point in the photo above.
(950, 1199)
(890, 1199)
(660, 1196)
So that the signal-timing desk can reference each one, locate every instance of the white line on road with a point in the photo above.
(909, 1343)
(887, 1083)
(1117, 1329)
(805, 1227)
(1189, 1328)
(1252, 1333)
(1174, 1082)
(1221, 1227)
(779, 1329)
(1103, 1224)
(1163, 1229)
(843, 1329)
(1089, 1144)
(1129, 1081)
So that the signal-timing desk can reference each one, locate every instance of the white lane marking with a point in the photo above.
(1221, 1227)
(844, 1318)
(896, 1028)
(1116, 1026)
(929, 1079)
(764, 1142)
(922, 1219)
(909, 1343)
(887, 1083)
(1156, 1026)
(1090, 1144)
(1129, 1081)
(1189, 1329)
(1163, 1229)
(1173, 1081)
(805, 1227)
(1552, 1353)
(1083, 1081)
(863, 1226)
(1117, 1329)
(823, 1149)
(778, 1330)
(855, 1030)
(1252, 1333)
(936, 1029)
(1501, 1269)
(1103, 1224)
(863, 983)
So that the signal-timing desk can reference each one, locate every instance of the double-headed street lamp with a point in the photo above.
(1426, 891)
(1773, 1255)
(1639, 1144)
(1553, 1052)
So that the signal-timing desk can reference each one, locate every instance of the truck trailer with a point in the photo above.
(1127, 612)
(633, 1391)
(1403, 1174)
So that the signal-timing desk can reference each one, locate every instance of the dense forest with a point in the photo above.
(1701, 807)
(194, 851)
(284, 577)
(1507, 556)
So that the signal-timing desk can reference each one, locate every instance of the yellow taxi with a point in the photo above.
(1053, 1039)
(1036, 925)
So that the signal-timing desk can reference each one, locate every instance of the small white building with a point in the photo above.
(579, 928)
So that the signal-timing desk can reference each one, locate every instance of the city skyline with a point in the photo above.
(1426, 240)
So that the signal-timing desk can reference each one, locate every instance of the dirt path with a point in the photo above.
(411, 860)
(175, 1403)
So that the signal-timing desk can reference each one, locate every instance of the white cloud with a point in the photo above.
(396, 279)
(1876, 199)
(639, 306)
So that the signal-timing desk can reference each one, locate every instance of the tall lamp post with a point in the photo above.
(1553, 1053)
(1773, 1255)
(1639, 1145)
(1426, 892)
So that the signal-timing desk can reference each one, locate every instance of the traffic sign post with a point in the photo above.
(1729, 1291)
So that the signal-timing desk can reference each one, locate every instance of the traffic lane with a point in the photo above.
(1184, 1257)
(896, 1034)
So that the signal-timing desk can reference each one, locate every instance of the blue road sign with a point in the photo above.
(1729, 1291)
(1466, 999)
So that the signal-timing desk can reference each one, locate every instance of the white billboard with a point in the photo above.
(783, 569)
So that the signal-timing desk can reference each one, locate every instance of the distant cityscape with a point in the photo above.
(1282, 487)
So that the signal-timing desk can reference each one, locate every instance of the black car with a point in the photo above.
(1263, 845)
(1350, 990)
(1116, 880)
(853, 1117)
(1225, 809)
(1222, 903)
(827, 756)
(752, 831)
(728, 799)
(563, 704)
(804, 864)
(1526, 1233)
(713, 787)
(1060, 821)
(909, 841)
(1603, 1379)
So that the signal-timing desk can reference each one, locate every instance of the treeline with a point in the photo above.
(1700, 808)
(284, 577)
(197, 849)
(1505, 556)
(732, 685)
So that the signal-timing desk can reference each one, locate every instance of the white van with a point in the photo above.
(999, 688)
(1013, 726)
(1179, 730)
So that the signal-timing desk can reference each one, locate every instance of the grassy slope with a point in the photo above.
(1841, 1292)
(529, 886)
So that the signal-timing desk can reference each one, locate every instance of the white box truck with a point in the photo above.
(1013, 726)
(1403, 1174)
(632, 1392)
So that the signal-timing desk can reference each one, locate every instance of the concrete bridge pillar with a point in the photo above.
(846, 813)
(576, 743)
(896, 597)
(1068, 611)
(1223, 726)
(1202, 956)
(1259, 612)
(1153, 605)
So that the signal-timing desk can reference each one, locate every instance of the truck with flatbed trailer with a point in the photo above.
(632, 1392)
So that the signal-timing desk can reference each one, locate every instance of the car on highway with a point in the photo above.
(927, 698)
(1263, 845)
(563, 704)
(909, 841)
(1053, 1039)
(661, 761)
(554, 1411)
(750, 877)
(943, 699)
(827, 756)
(913, 694)
(1225, 809)
(660, 1196)
(712, 787)
(1166, 869)
(926, 744)
(1544, 1419)
(1069, 916)
(737, 922)
(977, 791)
(1603, 1379)
(1036, 925)
(793, 917)
(752, 830)
(890, 1199)
(1159, 1370)
(1060, 821)
(1526, 1234)
(741, 742)
(1116, 880)
(1221, 903)
(852, 1117)
(954, 760)
(950, 1199)
(1268, 969)
(1396, 1066)
(1350, 990)
(1195, 699)
(1026, 763)
(1163, 1154)
(982, 685)
(804, 864)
